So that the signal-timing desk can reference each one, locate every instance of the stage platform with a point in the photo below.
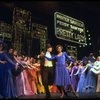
(57, 96)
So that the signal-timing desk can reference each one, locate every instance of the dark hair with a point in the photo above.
(2, 46)
(58, 46)
(49, 46)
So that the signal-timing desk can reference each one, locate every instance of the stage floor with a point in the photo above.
(57, 96)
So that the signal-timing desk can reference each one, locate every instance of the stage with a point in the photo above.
(57, 96)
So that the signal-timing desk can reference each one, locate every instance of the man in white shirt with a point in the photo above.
(48, 72)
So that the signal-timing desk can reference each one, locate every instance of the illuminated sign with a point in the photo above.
(21, 27)
(22, 19)
(72, 51)
(69, 29)
(5, 31)
(40, 32)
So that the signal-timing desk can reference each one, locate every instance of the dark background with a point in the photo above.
(43, 13)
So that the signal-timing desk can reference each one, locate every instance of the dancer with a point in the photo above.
(74, 78)
(6, 78)
(62, 77)
(90, 81)
(82, 75)
(96, 70)
(48, 72)
(98, 79)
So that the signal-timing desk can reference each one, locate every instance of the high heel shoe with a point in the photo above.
(62, 96)
(76, 95)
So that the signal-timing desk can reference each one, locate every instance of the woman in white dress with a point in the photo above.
(96, 70)
(98, 79)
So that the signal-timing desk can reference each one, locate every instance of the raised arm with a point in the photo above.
(85, 69)
(53, 58)
(69, 58)
(95, 71)
(96, 67)
(9, 60)
(16, 59)
(77, 71)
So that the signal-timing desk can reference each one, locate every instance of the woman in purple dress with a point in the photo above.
(62, 77)
(74, 78)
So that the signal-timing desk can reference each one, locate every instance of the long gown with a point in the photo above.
(74, 78)
(98, 84)
(81, 80)
(32, 77)
(22, 84)
(98, 78)
(27, 87)
(6, 79)
(90, 81)
(62, 77)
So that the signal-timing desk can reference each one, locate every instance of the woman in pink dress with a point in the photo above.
(32, 76)
(22, 83)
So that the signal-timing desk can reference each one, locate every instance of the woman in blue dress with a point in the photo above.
(6, 80)
(81, 74)
(90, 81)
(62, 77)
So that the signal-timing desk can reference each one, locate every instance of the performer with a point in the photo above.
(74, 78)
(98, 80)
(96, 71)
(6, 80)
(19, 78)
(62, 77)
(32, 74)
(18, 69)
(90, 81)
(48, 72)
(82, 75)
(91, 57)
(96, 67)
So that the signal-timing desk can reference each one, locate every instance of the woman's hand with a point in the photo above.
(3, 62)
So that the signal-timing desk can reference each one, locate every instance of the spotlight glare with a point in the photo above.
(80, 46)
(89, 43)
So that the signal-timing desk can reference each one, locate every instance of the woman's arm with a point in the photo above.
(85, 69)
(16, 59)
(69, 58)
(96, 67)
(9, 60)
(53, 58)
(77, 71)
(3, 62)
(95, 71)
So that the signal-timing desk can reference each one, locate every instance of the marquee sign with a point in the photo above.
(69, 29)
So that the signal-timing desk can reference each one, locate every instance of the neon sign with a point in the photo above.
(69, 29)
